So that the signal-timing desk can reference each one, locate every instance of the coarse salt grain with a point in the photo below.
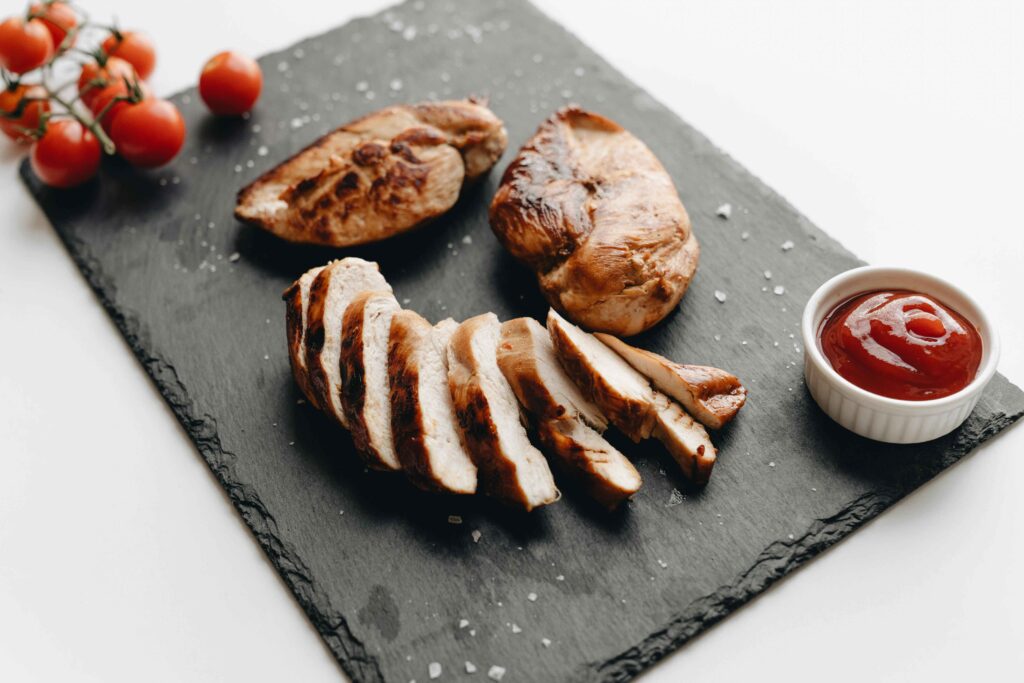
(496, 673)
(463, 623)
(470, 668)
(787, 245)
(724, 211)
(434, 670)
(721, 296)
(532, 597)
(476, 535)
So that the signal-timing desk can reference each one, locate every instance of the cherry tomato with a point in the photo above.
(10, 99)
(58, 17)
(24, 45)
(149, 133)
(230, 83)
(95, 77)
(107, 95)
(135, 48)
(67, 154)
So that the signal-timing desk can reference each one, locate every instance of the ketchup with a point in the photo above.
(901, 344)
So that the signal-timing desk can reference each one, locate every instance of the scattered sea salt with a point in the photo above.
(744, 235)
(463, 623)
(721, 296)
(787, 245)
(546, 642)
(476, 535)
(470, 668)
(496, 673)
(724, 211)
(771, 464)
(516, 629)
(532, 597)
(675, 498)
(434, 670)
(560, 577)
(362, 86)
(767, 275)
(467, 240)
(395, 84)
(779, 290)
(663, 564)
(262, 151)
(234, 256)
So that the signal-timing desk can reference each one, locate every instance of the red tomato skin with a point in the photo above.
(24, 45)
(105, 96)
(135, 48)
(9, 101)
(115, 70)
(67, 155)
(59, 18)
(149, 134)
(230, 83)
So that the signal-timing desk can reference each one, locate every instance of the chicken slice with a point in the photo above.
(511, 468)
(296, 299)
(365, 393)
(711, 395)
(423, 422)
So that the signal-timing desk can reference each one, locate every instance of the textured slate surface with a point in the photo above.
(383, 575)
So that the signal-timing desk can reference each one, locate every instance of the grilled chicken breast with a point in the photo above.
(711, 395)
(378, 176)
(590, 209)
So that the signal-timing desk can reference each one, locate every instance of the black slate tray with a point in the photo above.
(381, 571)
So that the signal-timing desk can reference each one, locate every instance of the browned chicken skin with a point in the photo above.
(383, 174)
(589, 207)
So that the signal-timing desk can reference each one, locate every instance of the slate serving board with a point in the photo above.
(387, 578)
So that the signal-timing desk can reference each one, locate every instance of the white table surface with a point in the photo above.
(898, 127)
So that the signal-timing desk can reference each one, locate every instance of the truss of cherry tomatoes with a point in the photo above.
(75, 89)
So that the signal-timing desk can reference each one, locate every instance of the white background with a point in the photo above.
(898, 127)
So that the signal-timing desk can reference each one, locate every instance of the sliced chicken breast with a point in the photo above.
(365, 393)
(423, 422)
(329, 295)
(296, 300)
(568, 426)
(511, 468)
(711, 395)
(625, 396)
(585, 455)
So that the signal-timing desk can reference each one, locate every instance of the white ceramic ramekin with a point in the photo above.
(879, 417)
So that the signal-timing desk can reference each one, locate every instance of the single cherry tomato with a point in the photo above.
(230, 83)
(149, 133)
(67, 154)
(95, 77)
(135, 48)
(31, 112)
(24, 45)
(103, 99)
(58, 17)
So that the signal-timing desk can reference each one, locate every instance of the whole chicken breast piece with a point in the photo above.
(592, 211)
(381, 175)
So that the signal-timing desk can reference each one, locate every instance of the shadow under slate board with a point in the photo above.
(390, 578)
